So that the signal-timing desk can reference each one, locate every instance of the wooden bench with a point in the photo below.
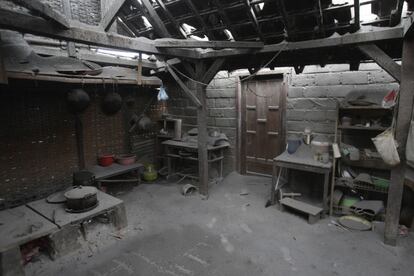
(313, 212)
(103, 173)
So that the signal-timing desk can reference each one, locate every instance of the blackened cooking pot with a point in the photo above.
(81, 198)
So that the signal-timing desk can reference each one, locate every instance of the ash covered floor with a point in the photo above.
(228, 234)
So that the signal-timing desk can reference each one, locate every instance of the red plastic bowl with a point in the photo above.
(106, 160)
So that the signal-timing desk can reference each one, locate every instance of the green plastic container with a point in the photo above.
(150, 174)
(348, 201)
(380, 182)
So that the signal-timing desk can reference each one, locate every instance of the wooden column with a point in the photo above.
(404, 110)
(3, 72)
(200, 69)
(201, 76)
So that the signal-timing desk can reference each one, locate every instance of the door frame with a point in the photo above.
(241, 115)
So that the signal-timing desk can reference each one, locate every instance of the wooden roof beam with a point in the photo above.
(45, 11)
(364, 35)
(171, 18)
(109, 16)
(35, 25)
(190, 43)
(382, 59)
(154, 19)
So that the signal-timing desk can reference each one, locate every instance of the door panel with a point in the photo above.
(263, 107)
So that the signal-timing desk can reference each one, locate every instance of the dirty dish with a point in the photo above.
(355, 223)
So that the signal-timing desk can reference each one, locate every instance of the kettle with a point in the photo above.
(307, 136)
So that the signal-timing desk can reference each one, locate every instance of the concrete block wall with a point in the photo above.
(312, 95)
(222, 113)
(312, 98)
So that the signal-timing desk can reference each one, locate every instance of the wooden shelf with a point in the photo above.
(362, 128)
(360, 186)
(369, 107)
(376, 164)
(193, 158)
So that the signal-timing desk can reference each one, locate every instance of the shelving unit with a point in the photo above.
(366, 123)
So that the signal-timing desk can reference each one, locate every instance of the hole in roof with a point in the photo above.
(188, 29)
(204, 38)
(260, 5)
(228, 34)
(146, 22)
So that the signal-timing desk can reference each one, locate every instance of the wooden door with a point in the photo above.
(262, 122)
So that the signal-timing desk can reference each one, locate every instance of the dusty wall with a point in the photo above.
(312, 95)
(311, 100)
(38, 142)
(222, 114)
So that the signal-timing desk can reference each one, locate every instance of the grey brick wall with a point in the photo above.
(312, 98)
(222, 114)
(312, 95)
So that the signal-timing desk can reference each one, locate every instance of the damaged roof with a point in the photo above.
(269, 21)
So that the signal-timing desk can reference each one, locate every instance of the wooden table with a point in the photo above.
(102, 173)
(170, 145)
(302, 163)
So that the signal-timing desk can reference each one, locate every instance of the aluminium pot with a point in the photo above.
(81, 198)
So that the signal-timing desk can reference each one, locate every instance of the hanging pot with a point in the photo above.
(81, 198)
(112, 103)
(78, 100)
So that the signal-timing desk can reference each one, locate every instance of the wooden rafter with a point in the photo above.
(184, 87)
(206, 30)
(45, 11)
(171, 18)
(356, 15)
(109, 15)
(382, 59)
(253, 19)
(212, 70)
(320, 18)
(225, 18)
(155, 20)
(285, 18)
(125, 27)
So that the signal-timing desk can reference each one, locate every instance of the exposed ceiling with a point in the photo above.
(270, 21)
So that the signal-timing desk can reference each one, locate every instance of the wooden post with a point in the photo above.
(3, 72)
(202, 130)
(139, 70)
(404, 111)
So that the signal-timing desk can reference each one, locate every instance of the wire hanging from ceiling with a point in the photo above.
(242, 79)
